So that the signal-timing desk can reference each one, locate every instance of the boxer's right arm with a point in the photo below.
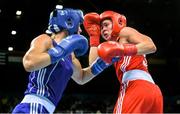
(92, 26)
(82, 76)
(98, 66)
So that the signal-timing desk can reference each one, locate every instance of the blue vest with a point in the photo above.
(50, 82)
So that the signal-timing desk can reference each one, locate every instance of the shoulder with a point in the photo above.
(128, 29)
(42, 39)
(129, 32)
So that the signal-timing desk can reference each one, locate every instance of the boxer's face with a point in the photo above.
(106, 29)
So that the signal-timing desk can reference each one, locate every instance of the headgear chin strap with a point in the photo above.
(118, 21)
(68, 19)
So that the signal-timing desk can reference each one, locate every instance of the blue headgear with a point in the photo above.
(68, 19)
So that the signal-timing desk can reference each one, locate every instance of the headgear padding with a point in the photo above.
(68, 19)
(118, 21)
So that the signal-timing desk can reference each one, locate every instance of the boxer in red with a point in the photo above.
(126, 48)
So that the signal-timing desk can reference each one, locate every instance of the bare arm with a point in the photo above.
(92, 55)
(81, 75)
(37, 57)
(144, 43)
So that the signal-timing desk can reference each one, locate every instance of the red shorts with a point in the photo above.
(139, 96)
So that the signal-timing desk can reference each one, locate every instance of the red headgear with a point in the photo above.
(118, 21)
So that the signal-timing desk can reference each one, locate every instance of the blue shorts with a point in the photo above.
(34, 104)
(30, 108)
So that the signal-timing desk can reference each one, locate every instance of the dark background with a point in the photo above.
(159, 19)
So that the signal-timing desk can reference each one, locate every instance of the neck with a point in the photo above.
(60, 35)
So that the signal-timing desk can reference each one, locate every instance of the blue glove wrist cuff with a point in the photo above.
(98, 66)
(56, 53)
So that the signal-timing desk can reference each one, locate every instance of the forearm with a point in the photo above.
(81, 75)
(75, 43)
(34, 62)
(146, 48)
(86, 75)
(92, 55)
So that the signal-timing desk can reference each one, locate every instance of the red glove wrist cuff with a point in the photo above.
(130, 49)
(94, 41)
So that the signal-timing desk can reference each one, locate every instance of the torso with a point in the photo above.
(127, 63)
(51, 81)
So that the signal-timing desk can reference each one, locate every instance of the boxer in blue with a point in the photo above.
(51, 61)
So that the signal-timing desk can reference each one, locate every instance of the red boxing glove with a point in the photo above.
(111, 50)
(92, 26)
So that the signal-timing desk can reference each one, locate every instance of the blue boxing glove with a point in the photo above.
(74, 43)
(98, 66)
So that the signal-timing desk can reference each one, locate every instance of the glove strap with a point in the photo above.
(94, 41)
(98, 66)
(130, 49)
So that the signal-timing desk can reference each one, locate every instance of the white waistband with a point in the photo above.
(37, 99)
(137, 74)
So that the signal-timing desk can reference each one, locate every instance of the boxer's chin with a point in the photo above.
(107, 38)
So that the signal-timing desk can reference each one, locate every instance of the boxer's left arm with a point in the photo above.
(36, 57)
(143, 43)
(92, 26)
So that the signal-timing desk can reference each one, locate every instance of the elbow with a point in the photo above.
(82, 77)
(150, 48)
(28, 65)
(153, 48)
(80, 82)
